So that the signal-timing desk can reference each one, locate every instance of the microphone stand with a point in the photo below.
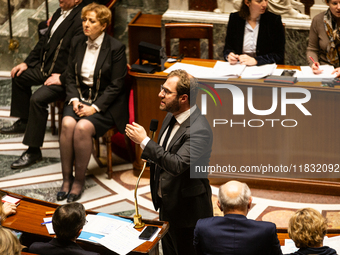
(137, 218)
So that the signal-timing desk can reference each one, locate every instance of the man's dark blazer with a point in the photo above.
(270, 47)
(235, 234)
(58, 247)
(112, 66)
(184, 199)
(69, 28)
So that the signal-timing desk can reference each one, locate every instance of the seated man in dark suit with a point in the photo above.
(234, 233)
(45, 65)
(68, 221)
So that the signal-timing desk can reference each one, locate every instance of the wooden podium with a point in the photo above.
(143, 27)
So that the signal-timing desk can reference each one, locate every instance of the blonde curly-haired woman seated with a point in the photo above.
(307, 228)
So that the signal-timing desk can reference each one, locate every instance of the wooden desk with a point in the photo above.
(314, 140)
(282, 234)
(30, 214)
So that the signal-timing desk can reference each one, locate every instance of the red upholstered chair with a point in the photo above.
(189, 35)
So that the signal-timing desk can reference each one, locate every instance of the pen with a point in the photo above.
(316, 64)
(17, 204)
(47, 222)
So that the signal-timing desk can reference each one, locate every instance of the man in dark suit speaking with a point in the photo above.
(234, 233)
(46, 64)
(182, 200)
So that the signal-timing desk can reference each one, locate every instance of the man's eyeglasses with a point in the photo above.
(165, 91)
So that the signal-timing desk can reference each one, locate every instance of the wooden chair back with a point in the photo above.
(189, 35)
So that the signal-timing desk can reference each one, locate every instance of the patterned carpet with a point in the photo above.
(43, 180)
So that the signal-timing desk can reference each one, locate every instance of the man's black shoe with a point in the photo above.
(18, 127)
(27, 159)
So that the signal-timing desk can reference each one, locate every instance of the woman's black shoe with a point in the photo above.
(73, 197)
(61, 195)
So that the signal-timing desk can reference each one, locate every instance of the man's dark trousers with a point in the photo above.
(24, 103)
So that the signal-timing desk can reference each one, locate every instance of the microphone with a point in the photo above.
(137, 218)
(153, 128)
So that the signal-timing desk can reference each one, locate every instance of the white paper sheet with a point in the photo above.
(223, 71)
(122, 241)
(49, 225)
(115, 233)
(307, 74)
(102, 225)
(223, 68)
(332, 242)
(258, 72)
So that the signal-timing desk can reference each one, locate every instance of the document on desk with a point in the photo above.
(205, 72)
(289, 247)
(332, 242)
(196, 71)
(258, 72)
(223, 68)
(102, 224)
(307, 74)
(115, 233)
(49, 225)
(122, 241)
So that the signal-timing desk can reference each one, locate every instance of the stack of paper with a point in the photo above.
(221, 70)
(225, 69)
(115, 233)
(258, 72)
(307, 74)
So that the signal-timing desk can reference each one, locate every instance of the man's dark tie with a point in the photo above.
(171, 126)
(157, 192)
